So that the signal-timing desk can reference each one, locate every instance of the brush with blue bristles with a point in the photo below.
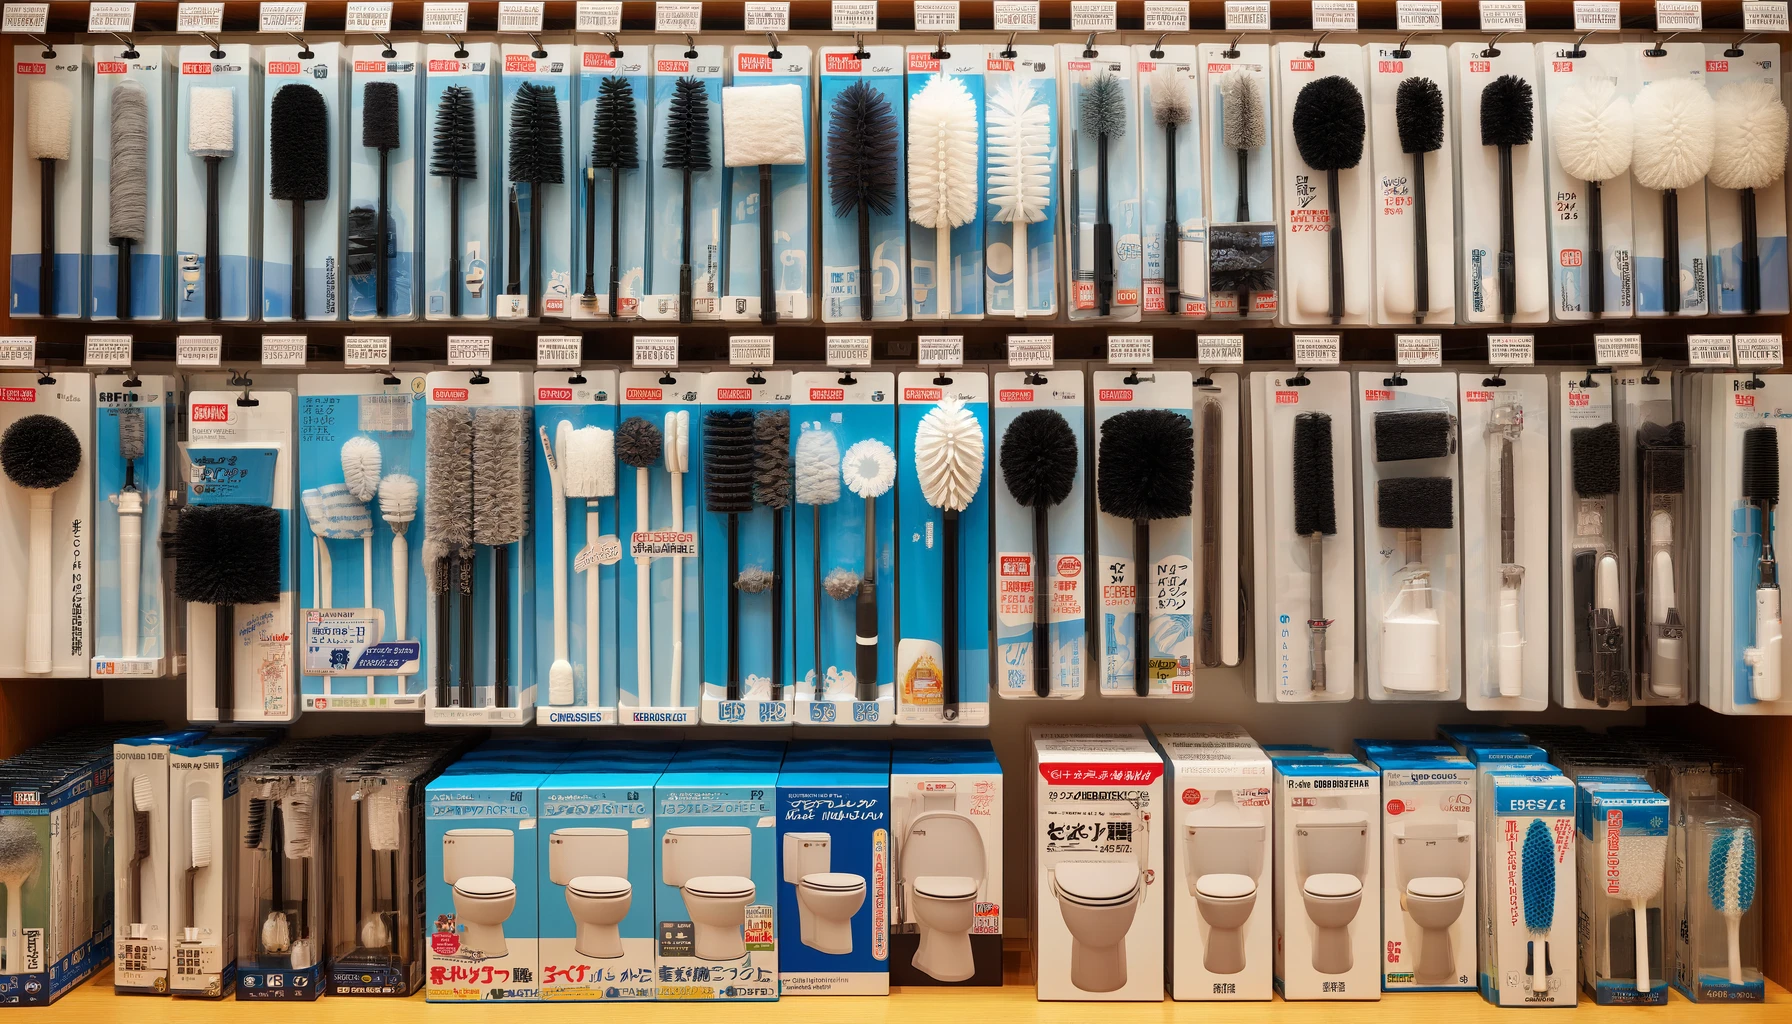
(1538, 882)
(1730, 878)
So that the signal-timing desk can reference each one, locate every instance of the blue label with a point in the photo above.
(231, 476)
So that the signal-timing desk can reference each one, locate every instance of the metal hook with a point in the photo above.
(540, 50)
(49, 48)
(389, 376)
(1493, 46)
(1231, 52)
(858, 47)
(305, 48)
(217, 44)
(939, 47)
(1658, 49)
(773, 52)
(1317, 43)
(615, 47)
(1498, 380)
(691, 46)
(1735, 49)
(130, 48)
(1157, 48)
(1579, 52)
(1401, 52)
(1009, 52)
(44, 377)
(460, 45)
(1648, 376)
(1089, 50)
(1300, 379)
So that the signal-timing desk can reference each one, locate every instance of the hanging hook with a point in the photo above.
(691, 44)
(130, 48)
(858, 47)
(1317, 43)
(460, 45)
(773, 53)
(44, 378)
(755, 376)
(1009, 52)
(1648, 376)
(1735, 49)
(540, 50)
(305, 48)
(1579, 52)
(1498, 380)
(1493, 46)
(1300, 378)
(1231, 52)
(49, 50)
(939, 47)
(615, 47)
(1658, 50)
(1089, 50)
(1157, 48)
(1205, 380)
(1401, 52)
(217, 45)
(388, 375)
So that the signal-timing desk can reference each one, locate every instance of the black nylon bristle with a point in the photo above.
(1146, 465)
(1593, 453)
(1415, 503)
(862, 151)
(363, 241)
(227, 554)
(615, 131)
(728, 462)
(299, 145)
(771, 458)
(687, 127)
(1663, 454)
(1315, 501)
(456, 151)
(257, 825)
(1419, 114)
(1240, 262)
(1102, 108)
(379, 116)
(1508, 114)
(1404, 436)
(40, 452)
(1039, 458)
(537, 143)
(1761, 464)
(1329, 124)
(638, 442)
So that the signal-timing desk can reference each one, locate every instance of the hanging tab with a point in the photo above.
(1166, 18)
(1493, 46)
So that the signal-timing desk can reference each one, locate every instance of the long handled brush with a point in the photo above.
(128, 207)
(560, 680)
(447, 529)
(1328, 130)
(1145, 471)
(1599, 639)
(1761, 489)
(677, 455)
(615, 140)
(361, 461)
(1020, 172)
(1593, 133)
(1729, 881)
(398, 507)
(1675, 133)
(817, 467)
(1315, 518)
(1039, 464)
(869, 469)
(1208, 653)
(1508, 119)
(1504, 428)
(537, 144)
(1101, 116)
(224, 556)
(1171, 108)
(299, 167)
(1537, 890)
(500, 517)
(455, 156)
(949, 452)
(379, 130)
(1419, 116)
(49, 135)
(1749, 152)
(211, 136)
(1243, 127)
(131, 443)
(21, 854)
(687, 152)
(728, 490)
(638, 444)
(587, 457)
(771, 488)
(862, 145)
(762, 126)
(39, 454)
(942, 170)
(1641, 875)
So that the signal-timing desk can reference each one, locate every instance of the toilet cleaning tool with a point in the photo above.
(1675, 132)
(1145, 471)
(1537, 882)
(1101, 116)
(1020, 172)
(323, 506)
(560, 681)
(942, 171)
(20, 856)
(949, 466)
(1419, 116)
(1039, 464)
(728, 491)
(1243, 128)
(361, 461)
(1599, 639)
(398, 507)
(1642, 872)
(1504, 426)
(1761, 488)
(1749, 152)
(49, 133)
(1412, 634)
(455, 156)
(1208, 652)
(862, 154)
(869, 469)
(615, 140)
(677, 455)
(1592, 130)
(1507, 120)
(638, 444)
(687, 152)
(298, 167)
(587, 457)
(142, 806)
(817, 468)
(131, 438)
(199, 857)
(211, 136)
(448, 536)
(39, 454)
(1315, 518)
(264, 823)
(1729, 879)
(537, 147)
(771, 488)
(379, 927)
(1661, 454)
(1171, 108)
(500, 517)
(224, 556)
(379, 130)
(762, 126)
(1329, 126)
(298, 843)
(127, 210)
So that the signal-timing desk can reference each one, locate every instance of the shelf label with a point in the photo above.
(114, 17)
(199, 350)
(1220, 349)
(439, 17)
(284, 17)
(1618, 349)
(367, 17)
(1502, 15)
(1334, 15)
(474, 350)
(1016, 16)
(559, 351)
(848, 350)
(1764, 16)
(19, 352)
(1418, 350)
(1512, 349)
(108, 350)
(1710, 350)
(685, 16)
(1419, 15)
(939, 350)
(1166, 15)
(1679, 16)
(1030, 351)
(1760, 351)
(936, 15)
(520, 17)
(1247, 15)
(856, 15)
(33, 18)
(1130, 350)
(656, 352)
(753, 351)
(283, 350)
(766, 17)
(1092, 16)
(1316, 349)
(199, 18)
(1597, 16)
(367, 350)
(599, 16)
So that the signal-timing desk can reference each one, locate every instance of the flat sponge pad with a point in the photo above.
(763, 124)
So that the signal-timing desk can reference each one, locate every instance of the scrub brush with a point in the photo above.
(143, 804)
(398, 507)
(1315, 518)
(615, 140)
(379, 130)
(1729, 879)
(1039, 466)
(1592, 131)
(1243, 128)
(1599, 639)
(1537, 886)
(1101, 116)
(869, 470)
(1675, 133)
(298, 167)
(296, 813)
(942, 171)
(1020, 172)
(1329, 125)
(1661, 455)
(728, 491)
(500, 517)
(1145, 471)
(949, 453)
(676, 451)
(199, 858)
(817, 467)
(1641, 874)
(39, 453)
(771, 488)
(1507, 120)
(49, 134)
(448, 536)
(537, 144)
(1419, 116)
(21, 854)
(1749, 152)
(1505, 425)
(361, 460)
(687, 152)
(762, 126)
(1171, 108)
(454, 155)
(380, 927)
(862, 153)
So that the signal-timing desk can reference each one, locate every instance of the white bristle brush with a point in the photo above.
(384, 828)
(588, 462)
(949, 452)
(361, 462)
(677, 434)
(1642, 872)
(1675, 132)
(1020, 171)
(942, 169)
(211, 136)
(1749, 153)
(1593, 134)
(398, 507)
(142, 806)
(199, 857)
(49, 132)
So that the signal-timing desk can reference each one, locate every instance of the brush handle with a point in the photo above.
(467, 564)
(676, 675)
(560, 672)
(441, 572)
(593, 626)
(1104, 232)
(455, 284)
(1317, 623)
(1539, 964)
(401, 566)
(122, 301)
(590, 293)
(1172, 228)
(15, 926)
(130, 567)
(1583, 630)
(1595, 250)
(535, 305)
(46, 267)
(513, 255)
(501, 626)
(1244, 184)
(768, 289)
(1509, 644)
(1023, 295)
(949, 620)
(298, 259)
(615, 242)
(1640, 910)
(1042, 645)
(1508, 265)
(224, 661)
(1210, 535)
(685, 312)
(818, 691)
(1335, 237)
(1751, 255)
(860, 280)
(1732, 937)
(1421, 244)
(1141, 608)
(733, 690)
(942, 266)
(367, 589)
(1670, 252)
(777, 604)
(214, 274)
(1764, 656)
(37, 614)
(865, 633)
(382, 272)
(643, 600)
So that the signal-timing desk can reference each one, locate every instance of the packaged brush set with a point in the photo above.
(51, 105)
(205, 798)
(943, 512)
(458, 269)
(1042, 643)
(1505, 440)
(1241, 236)
(1622, 836)
(684, 265)
(864, 237)
(217, 167)
(1103, 231)
(283, 883)
(1412, 562)
(1501, 204)
(1591, 661)
(1327, 194)
(1674, 119)
(1219, 629)
(377, 856)
(1586, 93)
(844, 547)
(611, 200)
(1526, 905)
(134, 428)
(361, 566)
(1745, 204)
(141, 819)
(946, 110)
(1721, 959)
(1305, 557)
(1412, 156)
(384, 163)
(304, 101)
(575, 501)
(132, 188)
(1020, 251)
(767, 123)
(46, 454)
(540, 168)
(1172, 214)
(1652, 435)
(748, 671)
(479, 441)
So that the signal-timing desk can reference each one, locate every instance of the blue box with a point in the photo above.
(834, 858)
(482, 848)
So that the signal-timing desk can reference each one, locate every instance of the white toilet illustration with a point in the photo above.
(1098, 900)
(592, 863)
(1224, 854)
(825, 899)
(480, 864)
(694, 858)
(1332, 846)
(942, 869)
(1432, 861)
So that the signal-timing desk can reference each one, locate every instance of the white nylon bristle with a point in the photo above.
(949, 456)
(588, 463)
(763, 124)
(677, 439)
(385, 814)
(1750, 149)
(1675, 131)
(1020, 152)
(1593, 130)
(361, 467)
(296, 816)
(398, 499)
(49, 121)
(942, 154)
(211, 121)
(1642, 866)
(1171, 105)
(200, 832)
(869, 468)
(142, 793)
(817, 467)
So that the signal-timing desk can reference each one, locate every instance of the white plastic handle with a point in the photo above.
(1020, 269)
(676, 677)
(401, 587)
(130, 567)
(643, 600)
(1510, 644)
(37, 615)
(560, 672)
(592, 639)
(1764, 657)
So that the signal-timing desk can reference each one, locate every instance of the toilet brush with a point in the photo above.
(379, 927)
(1101, 116)
(21, 854)
(143, 804)
(39, 454)
(1675, 134)
(686, 149)
(500, 517)
(131, 439)
(869, 470)
(762, 126)
(676, 452)
(1039, 466)
(298, 844)
(49, 135)
(942, 171)
(379, 130)
(127, 209)
(862, 153)
(537, 146)
(1592, 131)
(587, 457)
(1661, 457)
(1315, 518)
(1749, 152)
(728, 491)
(817, 467)
(638, 444)
(298, 167)
(1412, 634)
(949, 451)
(1020, 172)
(1729, 881)
(1145, 471)
(1761, 490)
(1171, 108)
(560, 680)
(361, 471)
(1641, 874)
(264, 824)
(1419, 116)
(1507, 120)
(455, 156)
(1243, 127)
(615, 142)
(1599, 639)
(211, 136)
(199, 858)
(398, 507)
(1329, 125)
(1505, 425)
(771, 488)
(448, 532)
(224, 556)
(1537, 889)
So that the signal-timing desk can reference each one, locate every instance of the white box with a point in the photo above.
(1328, 837)
(1427, 873)
(946, 817)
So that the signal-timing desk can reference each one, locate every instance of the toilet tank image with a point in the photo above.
(693, 851)
(807, 853)
(1223, 840)
(478, 851)
(1332, 842)
(573, 852)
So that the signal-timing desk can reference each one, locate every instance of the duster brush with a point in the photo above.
(762, 126)
(1020, 172)
(131, 443)
(728, 490)
(1749, 152)
(211, 136)
(1039, 465)
(1537, 889)
(49, 134)
(1593, 131)
(869, 469)
(448, 539)
(1315, 518)
(379, 130)
(588, 470)
(1145, 471)
(949, 452)
(500, 517)
(1243, 127)
(537, 147)
(21, 854)
(1729, 880)
(39, 454)
(1419, 116)
(817, 468)
(1328, 130)
(687, 152)
(638, 444)
(1507, 120)
(1171, 108)
(1101, 116)
(127, 210)
(1599, 639)
(615, 140)
(1675, 134)
(771, 488)
(299, 167)
(1661, 457)
(862, 145)
(224, 556)
(454, 155)
(1761, 489)
(942, 170)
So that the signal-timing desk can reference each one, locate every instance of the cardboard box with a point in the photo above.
(946, 806)
(1328, 884)
(834, 864)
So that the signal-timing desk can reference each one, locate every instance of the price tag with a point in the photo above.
(1316, 349)
(684, 16)
(1334, 15)
(1760, 351)
(766, 17)
(936, 15)
(1030, 352)
(114, 17)
(855, 15)
(1166, 15)
(1679, 16)
(18, 352)
(846, 351)
(33, 18)
(519, 17)
(1512, 349)
(283, 350)
(599, 16)
(939, 350)
(199, 18)
(1596, 16)
(474, 350)
(108, 350)
(1092, 16)
(1130, 350)
(1419, 15)
(656, 352)
(1502, 15)
(367, 350)
(367, 17)
(446, 17)
(1016, 15)
(199, 350)
(1618, 349)
(559, 351)
(1710, 350)
(1247, 15)
(1220, 349)
(1418, 350)
(282, 17)
(750, 350)
(1764, 16)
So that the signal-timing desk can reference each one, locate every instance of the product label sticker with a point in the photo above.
(1016, 16)
(1679, 16)
(35, 18)
(1760, 351)
(1764, 16)
(655, 352)
(470, 350)
(520, 16)
(18, 352)
(607, 551)
(199, 18)
(367, 17)
(1220, 349)
(936, 15)
(753, 351)
(1129, 350)
(848, 351)
(1502, 15)
(1166, 15)
(367, 350)
(662, 544)
(759, 16)
(559, 351)
(1030, 351)
(228, 476)
(198, 351)
(1710, 350)
(117, 17)
(108, 350)
(1617, 349)
(1511, 349)
(599, 16)
(1316, 349)
(1334, 15)
(445, 17)
(1247, 15)
(1416, 350)
(1092, 15)
(856, 15)
(345, 641)
(678, 17)
(1597, 16)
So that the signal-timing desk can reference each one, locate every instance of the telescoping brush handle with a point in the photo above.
(1595, 263)
(1508, 265)
(214, 273)
(768, 291)
(1335, 237)
(949, 619)
(1670, 251)
(1141, 608)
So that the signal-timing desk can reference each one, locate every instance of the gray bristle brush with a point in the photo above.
(1592, 132)
(454, 155)
(1243, 127)
(1412, 635)
(224, 556)
(1595, 459)
(1145, 471)
(448, 536)
(762, 126)
(638, 445)
(942, 171)
(863, 143)
(501, 463)
(728, 490)
(1101, 116)
(1171, 107)
(1329, 124)
(817, 467)
(49, 135)
(869, 471)
(615, 145)
(1419, 116)
(1315, 518)
(127, 211)
(211, 136)
(1749, 152)
(771, 488)
(1508, 118)
(299, 167)
(380, 131)
(537, 151)
(39, 454)
(1675, 135)
(132, 431)
(1039, 466)
(949, 459)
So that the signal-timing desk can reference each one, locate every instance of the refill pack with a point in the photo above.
(1658, 529)
(1241, 189)
(1587, 92)
(1428, 881)
(458, 268)
(1590, 664)
(46, 506)
(1527, 905)
(946, 122)
(575, 501)
(134, 430)
(1671, 159)
(864, 257)
(946, 812)
(385, 160)
(610, 202)
(1622, 835)
(1328, 821)
(361, 565)
(1172, 214)
(747, 490)
(684, 265)
(304, 100)
(205, 799)
(1328, 202)
(767, 122)
(1745, 204)
(943, 510)
(834, 869)
(1020, 222)
(52, 101)
(540, 169)
(1103, 230)
(142, 815)
(1219, 635)
(1721, 959)
(1410, 146)
(218, 156)
(482, 882)
(844, 547)
(1502, 246)
(131, 227)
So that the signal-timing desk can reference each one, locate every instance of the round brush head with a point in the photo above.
(1145, 466)
(1329, 124)
(299, 145)
(869, 468)
(39, 452)
(227, 554)
(1761, 464)
(1508, 112)
(1675, 132)
(841, 584)
(501, 462)
(1020, 145)
(455, 151)
(49, 121)
(942, 154)
(728, 462)
(862, 152)
(537, 142)
(615, 130)
(1242, 122)
(1749, 149)
(398, 500)
(1419, 115)
(361, 466)
(379, 116)
(1593, 130)
(1101, 109)
(1415, 503)
(771, 458)
(817, 467)
(1171, 105)
(127, 211)
(1038, 458)
(1593, 456)
(687, 127)
(948, 456)
(638, 442)
(20, 853)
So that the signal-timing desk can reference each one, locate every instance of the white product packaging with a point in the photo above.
(1686, 290)
(946, 811)
(46, 543)
(1734, 73)
(140, 822)
(1657, 525)
(1428, 881)
(1589, 663)
(1481, 256)
(51, 102)
(147, 73)
(1240, 181)
(1587, 281)
(318, 217)
(1328, 881)
(1309, 206)
(1020, 239)
(1218, 454)
(1173, 222)
(1103, 246)
(1415, 192)
(1527, 904)
(204, 800)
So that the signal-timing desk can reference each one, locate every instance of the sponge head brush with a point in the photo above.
(1329, 124)
(869, 468)
(1415, 503)
(40, 453)
(379, 116)
(1405, 436)
(1663, 456)
(1039, 458)
(1508, 112)
(211, 121)
(1419, 115)
(227, 554)
(763, 124)
(1750, 144)
(589, 461)
(1593, 455)
(1760, 464)
(1145, 465)
(299, 145)
(128, 209)
(1675, 131)
(49, 121)
(1593, 130)
(1242, 124)
(817, 467)
(1537, 869)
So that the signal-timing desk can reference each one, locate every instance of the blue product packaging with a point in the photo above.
(576, 505)
(611, 205)
(144, 74)
(219, 126)
(684, 263)
(946, 98)
(308, 223)
(1527, 900)
(1751, 71)
(362, 585)
(459, 269)
(835, 856)
(853, 267)
(132, 634)
(946, 815)
(1173, 225)
(537, 215)
(1021, 212)
(52, 96)
(1104, 246)
(482, 879)
(383, 175)
(205, 800)
(766, 128)
(943, 513)
(844, 547)
(1623, 865)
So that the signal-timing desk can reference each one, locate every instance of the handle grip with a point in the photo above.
(130, 567)
(37, 617)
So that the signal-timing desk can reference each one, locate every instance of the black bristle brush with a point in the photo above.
(1315, 518)
(728, 490)
(379, 130)
(1414, 434)
(771, 488)
(537, 148)
(1419, 114)
(225, 556)
(1039, 463)
(1328, 130)
(455, 156)
(1761, 489)
(299, 171)
(1145, 471)
(1598, 641)
(615, 140)
(1507, 120)
(1101, 115)
(1240, 263)
(687, 152)
(863, 146)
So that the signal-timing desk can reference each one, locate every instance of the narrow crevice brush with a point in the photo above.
(949, 451)
(455, 156)
(687, 152)
(1101, 116)
(615, 145)
(1145, 471)
(1243, 127)
(1593, 132)
(224, 556)
(39, 454)
(1508, 119)
(862, 153)
(817, 468)
(728, 491)
(379, 130)
(1599, 640)
(1749, 152)
(1675, 133)
(299, 167)
(1419, 116)
(447, 531)
(762, 126)
(537, 145)
(127, 210)
(1039, 466)
(49, 136)
(942, 171)
(299, 843)
(1328, 130)
(1761, 489)
(211, 136)
(771, 488)
(869, 470)
(638, 444)
(1020, 172)
(1171, 108)
(1661, 458)
(1315, 518)
(500, 517)
(132, 430)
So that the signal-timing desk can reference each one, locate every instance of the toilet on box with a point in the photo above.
(946, 804)
(834, 856)
(1328, 878)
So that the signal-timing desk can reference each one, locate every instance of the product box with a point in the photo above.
(1622, 831)
(1428, 880)
(304, 195)
(130, 264)
(834, 861)
(1328, 886)
(1589, 657)
(482, 915)
(133, 628)
(458, 267)
(46, 514)
(284, 883)
(1721, 947)
(55, 868)
(52, 97)
(946, 810)
(1744, 80)
(205, 798)
(1527, 905)
(219, 84)
(1098, 902)
(142, 819)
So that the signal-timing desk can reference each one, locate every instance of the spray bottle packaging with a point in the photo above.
(205, 800)
(1328, 883)
(1479, 218)
(1307, 202)
(132, 626)
(1219, 633)
(1622, 835)
(844, 547)
(1720, 951)
(1103, 245)
(1589, 660)
(147, 76)
(575, 421)
(221, 85)
(1506, 583)
(884, 274)
(1021, 217)
(1526, 905)
(1751, 66)
(483, 879)
(142, 818)
(1658, 527)
(498, 683)
(1042, 557)
(384, 176)
(546, 206)
(1428, 881)
(702, 67)
(1241, 181)
(1301, 423)
(1160, 630)
(600, 193)
(1412, 559)
(835, 861)
(659, 498)
(949, 88)
(790, 199)
(942, 654)
(1682, 61)
(748, 676)
(1412, 189)
(1172, 212)
(946, 808)
(1576, 82)
(458, 269)
(312, 224)
(47, 548)
(362, 585)
(51, 105)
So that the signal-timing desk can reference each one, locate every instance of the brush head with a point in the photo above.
(615, 130)
(1145, 467)
(1240, 261)
(361, 466)
(942, 154)
(1537, 878)
(1642, 866)
(1761, 464)
(1415, 503)
(501, 461)
(1020, 150)
(687, 127)
(1593, 130)
(728, 462)
(363, 241)
(20, 853)
(127, 214)
(300, 835)
(862, 151)
(455, 151)
(1242, 121)
(211, 121)
(1171, 105)
(49, 121)
(255, 823)
(1664, 456)
(1405, 436)
(868, 468)
(379, 115)
(1749, 146)
(588, 463)
(948, 456)
(1315, 501)
(1508, 112)
(1101, 108)
(398, 500)
(1593, 454)
(1039, 458)
(817, 467)
(227, 554)
(537, 142)
(335, 514)
(1419, 115)
(385, 818)
(448, 477)
(638, 442)
(841, 584)
(299, 145)
(763, 124)
(142, 794)
(1675, 133)
(199, 833)
(771, 458)
(1329, 124)
(677, 448)
(1730, 875)
(754, 580)
(40, 452)
(132, 434)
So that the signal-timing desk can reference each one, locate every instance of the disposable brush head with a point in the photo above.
(1664, 456)
(131, 434)
(1329, 124)
(1508, 112)
(771, 458)
(1537, 879)
(1419, 115)
(49, 121)
(615, 129)
(687, 127)
(948, 456)
(361, 466)
(638, 442)
(379, 116)
(1101, 109)
(763, 124)
(1761, 464)
(942, 154)
(1593, 455)
(1171, 105)
(869, 468)
(1315, 501)
(211, 121)
(448, 478)
(299, 145)
(1039, 458)
(501, 461)
(1675, 132)
(1415, 503)
(537, 140)
(1242, 121)
(728, 462)
(1593, 130)
(40, 452)
(817, 467)
(1145, 466)
(1730, 873)
(227, 554)
(127, 214)
(1405, 436)
(862, 151)
(1749, 149)
(455, 150)
(1020, 144)
(588, 463)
